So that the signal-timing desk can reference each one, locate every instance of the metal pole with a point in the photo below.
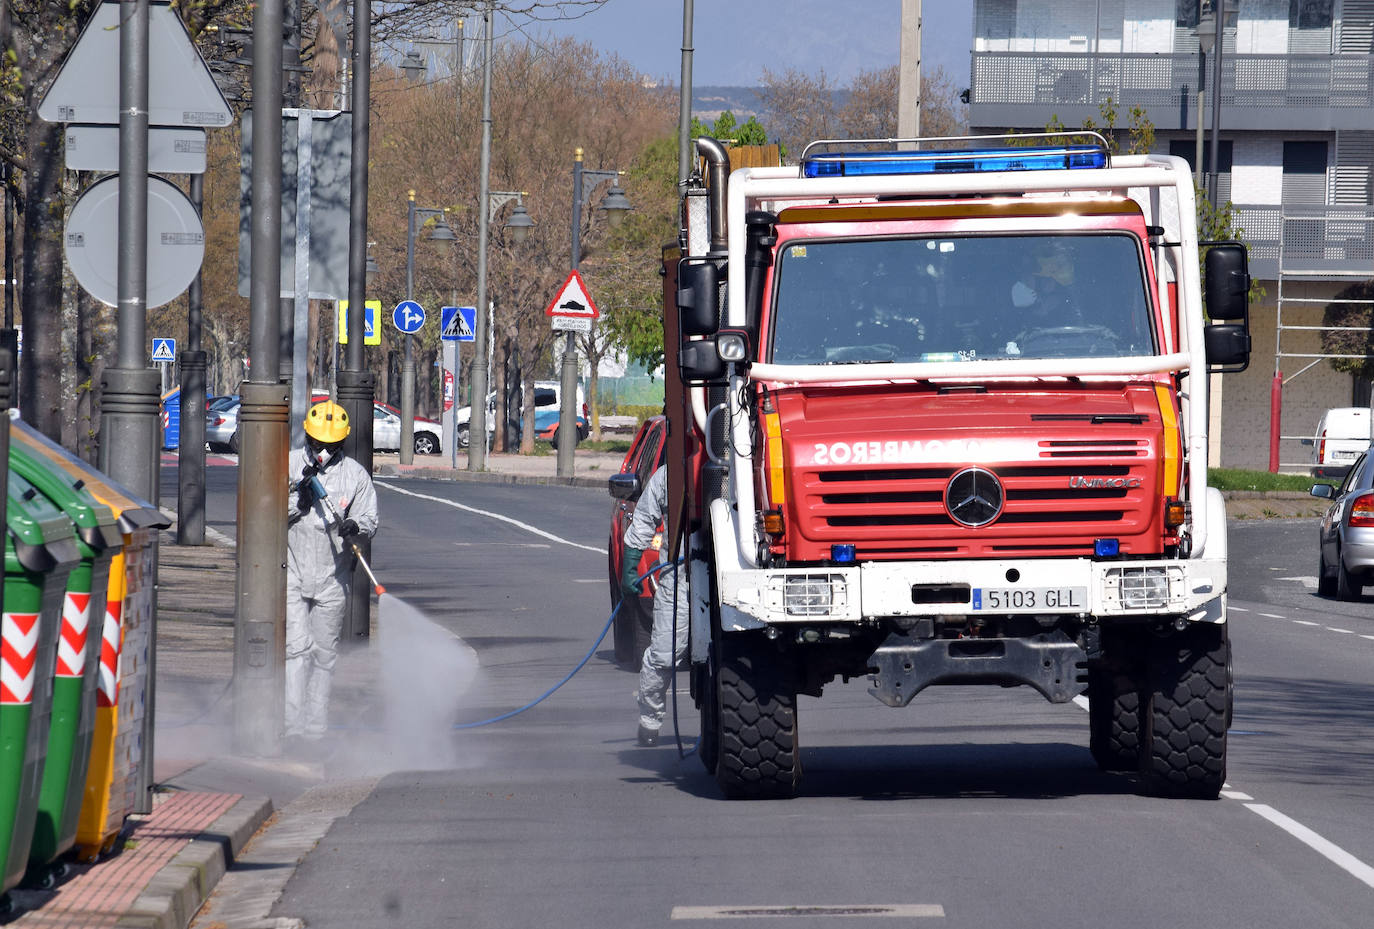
(477, 422)
(1214, 168)
(10, 283)
(567, 417)
(191, 446)
(299, 345)
(355, 382)
(909, 72)
(684, 106)
(408, 358)
(260, 623)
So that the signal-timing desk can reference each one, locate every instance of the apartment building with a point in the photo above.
(1295, 155)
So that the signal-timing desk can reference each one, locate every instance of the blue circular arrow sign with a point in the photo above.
(408, 316)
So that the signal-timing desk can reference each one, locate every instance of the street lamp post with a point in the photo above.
(1211, 29)
(518, 226)
(615, 206)
(442, 236)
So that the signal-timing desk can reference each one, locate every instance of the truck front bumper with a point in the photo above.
(1193, 589)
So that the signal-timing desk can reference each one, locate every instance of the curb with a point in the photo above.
(487, 477)
(179, 887)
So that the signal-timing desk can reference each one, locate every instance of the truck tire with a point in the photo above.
(1114, 719)
(758, 758)
(1188, 696)
(708, 686)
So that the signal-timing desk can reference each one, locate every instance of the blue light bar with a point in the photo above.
(842, 554)
(967, 161)
(1106, 548)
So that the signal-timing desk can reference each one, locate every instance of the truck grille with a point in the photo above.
(1078, 491)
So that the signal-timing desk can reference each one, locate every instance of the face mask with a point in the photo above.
(320, 456)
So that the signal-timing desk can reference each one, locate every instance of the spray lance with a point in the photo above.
(317, 488)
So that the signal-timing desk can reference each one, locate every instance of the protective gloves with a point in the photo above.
(349, 528)
(629, 572)
(305, 495)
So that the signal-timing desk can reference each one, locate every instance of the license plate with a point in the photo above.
(1345, 456)
(1030, 599)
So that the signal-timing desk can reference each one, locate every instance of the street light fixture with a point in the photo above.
(442, 236)
(414, 66)
(615, 206)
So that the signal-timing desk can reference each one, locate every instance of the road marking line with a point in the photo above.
(1303, 622)
(1081, 701)
(497, 516)
(899, 910)
(1370, 637)
(1334, 853)
(1237, 609)
(1273, 616)
(1343, 631)
(1236, 795)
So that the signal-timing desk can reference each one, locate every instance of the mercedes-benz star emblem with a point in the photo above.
(974, 497)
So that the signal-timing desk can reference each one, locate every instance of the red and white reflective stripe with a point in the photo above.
(71, 646)
(107, 690)
(18, 655)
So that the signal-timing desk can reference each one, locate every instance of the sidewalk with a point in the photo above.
(210, 803)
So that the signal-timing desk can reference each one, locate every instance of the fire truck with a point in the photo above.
(938, 414)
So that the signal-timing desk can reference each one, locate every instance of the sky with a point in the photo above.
(735, 39)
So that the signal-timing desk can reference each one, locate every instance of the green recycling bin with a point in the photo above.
(40, 553)
(98, 540)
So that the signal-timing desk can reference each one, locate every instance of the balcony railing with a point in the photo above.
(1155, 80)
(1316, 239)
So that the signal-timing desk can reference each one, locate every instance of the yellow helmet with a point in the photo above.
(327, 423)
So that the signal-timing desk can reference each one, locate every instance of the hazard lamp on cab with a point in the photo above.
(965, 161)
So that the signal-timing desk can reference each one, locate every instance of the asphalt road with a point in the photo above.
(972, 807)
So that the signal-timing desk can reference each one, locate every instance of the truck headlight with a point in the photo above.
(1143, 588)
(813, 594)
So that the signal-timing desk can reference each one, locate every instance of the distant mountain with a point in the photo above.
(709, 102)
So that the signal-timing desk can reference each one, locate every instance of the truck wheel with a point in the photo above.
(758, 723)
(1188, 694)
(1114, 719)
(708, 687)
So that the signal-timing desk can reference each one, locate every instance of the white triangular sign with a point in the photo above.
(573, 300)
(181, 90)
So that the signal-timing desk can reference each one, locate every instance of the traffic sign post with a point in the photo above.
(164, 350)
(573, 300)
(408, 317)
(458, 323)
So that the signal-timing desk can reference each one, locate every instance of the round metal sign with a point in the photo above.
(408, 316)
(176, 241)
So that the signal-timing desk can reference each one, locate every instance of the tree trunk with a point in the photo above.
(40, 381)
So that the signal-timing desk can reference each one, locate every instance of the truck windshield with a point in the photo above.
(960, 298)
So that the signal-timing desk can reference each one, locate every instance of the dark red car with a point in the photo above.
(635, 620)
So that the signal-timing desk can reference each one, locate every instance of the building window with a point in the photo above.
(1186, 13)
(1309, 14)
(1187, 149)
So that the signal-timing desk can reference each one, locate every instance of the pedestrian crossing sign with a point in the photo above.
(164, 350)
(458, 323)
(372, 333)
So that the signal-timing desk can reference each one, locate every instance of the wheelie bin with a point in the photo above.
(78, 661)
(40, 553)
(116, 769)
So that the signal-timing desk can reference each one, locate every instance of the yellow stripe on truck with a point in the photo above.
(1172, 459)
(777, 474)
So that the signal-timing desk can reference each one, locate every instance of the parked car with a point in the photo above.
(1346, 534)
(547, 395)
(222, 425)
(546, 423)
(386, 431)
(635, 620)
(1342, 434)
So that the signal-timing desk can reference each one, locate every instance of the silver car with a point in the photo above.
(1346, 561)
(222, 424)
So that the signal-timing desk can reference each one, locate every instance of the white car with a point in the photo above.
(547, 394)
(1343, 433)
(386, 431)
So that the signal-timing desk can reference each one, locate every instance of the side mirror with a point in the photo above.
(624, 486)
(1324, 490)
(698, 297)
(1227, 282)
(1228, 346)
(700, 361)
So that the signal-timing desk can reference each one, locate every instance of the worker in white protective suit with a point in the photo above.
(665, 649)
(319, 562)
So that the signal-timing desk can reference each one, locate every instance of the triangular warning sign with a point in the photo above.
(181, 90)
(573, 300)
(457, 328)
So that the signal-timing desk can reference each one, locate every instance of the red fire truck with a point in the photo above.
(938, 415)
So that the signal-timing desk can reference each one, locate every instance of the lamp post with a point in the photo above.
(1211, 29)
(442, 236)
(518, 226)
(615, 206)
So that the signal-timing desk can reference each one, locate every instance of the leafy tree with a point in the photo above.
(729, 130)
(1348, 329)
